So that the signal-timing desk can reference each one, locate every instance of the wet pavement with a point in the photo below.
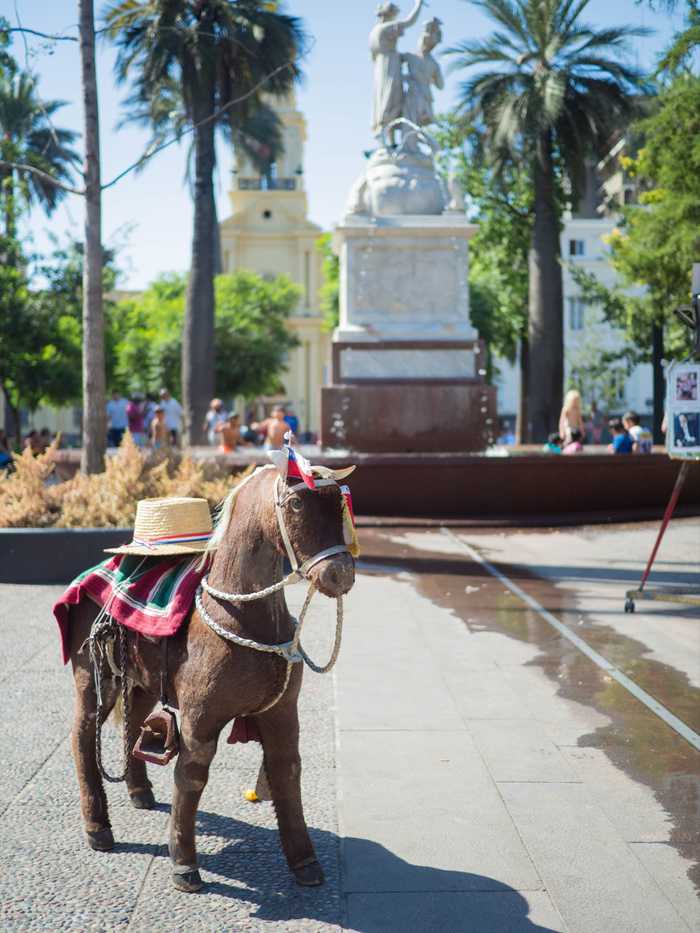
(466, 768)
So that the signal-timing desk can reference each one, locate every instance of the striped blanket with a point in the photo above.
(150, 595)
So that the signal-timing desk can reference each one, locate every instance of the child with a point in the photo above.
(229, 434)
(575, 445)
(622, 443)
(160, 435)
(553, 445)
(642, 441)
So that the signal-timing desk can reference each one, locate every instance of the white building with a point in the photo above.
(586, 336)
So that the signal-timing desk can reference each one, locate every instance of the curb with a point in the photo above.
(53, 555)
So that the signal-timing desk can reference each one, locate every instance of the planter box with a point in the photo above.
(54, 555)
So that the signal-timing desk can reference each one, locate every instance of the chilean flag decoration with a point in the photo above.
(298, 466)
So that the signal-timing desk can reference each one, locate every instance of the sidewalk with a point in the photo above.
(465, 769)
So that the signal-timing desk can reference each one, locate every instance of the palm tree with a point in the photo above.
(28, 137)
(258, 135)
(223, 54)
(553, 92)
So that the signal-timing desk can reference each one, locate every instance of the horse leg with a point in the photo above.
(140, 790)
(197, 749)
(93, 800)
(279, 729)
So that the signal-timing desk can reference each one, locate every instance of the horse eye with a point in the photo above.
(296, 504)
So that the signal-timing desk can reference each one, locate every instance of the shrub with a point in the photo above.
(103, 500)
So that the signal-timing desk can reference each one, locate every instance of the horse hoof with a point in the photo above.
(143, 799)
(189, 881)
(101, 840)
(309, 874)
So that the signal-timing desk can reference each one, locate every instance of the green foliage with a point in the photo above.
(659, 239)
(187, 61)
(39, 338)
(502, 202)
(548, 75)
(28, 136)
(329, 292)
(685, 43)
(251, 337)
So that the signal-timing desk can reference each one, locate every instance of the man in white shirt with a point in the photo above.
(118, 421)
(173, 415)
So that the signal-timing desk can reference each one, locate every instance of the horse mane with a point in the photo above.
(223, 513)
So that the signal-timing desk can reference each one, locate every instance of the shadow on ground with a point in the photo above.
(250, 868)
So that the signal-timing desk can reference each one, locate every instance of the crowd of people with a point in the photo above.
(157, 423)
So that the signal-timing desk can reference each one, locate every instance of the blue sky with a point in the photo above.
(150, 214)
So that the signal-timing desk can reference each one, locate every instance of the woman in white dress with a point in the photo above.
(388, 80)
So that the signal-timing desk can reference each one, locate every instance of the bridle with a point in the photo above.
(291, 651)
(282, 495)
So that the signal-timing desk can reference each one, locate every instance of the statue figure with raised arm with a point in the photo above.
(388, 79)
(423, 73)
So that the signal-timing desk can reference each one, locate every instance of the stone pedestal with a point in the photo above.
(408, 368)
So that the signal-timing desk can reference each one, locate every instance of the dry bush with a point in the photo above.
(24, 499)
(108, 499)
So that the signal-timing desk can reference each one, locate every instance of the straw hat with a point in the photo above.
(166, 527)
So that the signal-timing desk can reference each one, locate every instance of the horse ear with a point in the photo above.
(325, 472)
(280, 461)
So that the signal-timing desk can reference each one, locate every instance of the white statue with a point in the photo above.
(388, 79)
(423, 73)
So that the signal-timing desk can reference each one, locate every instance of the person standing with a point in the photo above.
(595, 424)
(160, 435)
(229, 434)
(571, 418)
(135, 416)
(173, 415)
(274, 428)
(5, 450)
(214, 418)
(118, 421)
(292, 421)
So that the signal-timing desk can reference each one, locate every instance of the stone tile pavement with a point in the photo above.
(465, 769)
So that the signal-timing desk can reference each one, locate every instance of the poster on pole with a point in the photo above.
(683, 410)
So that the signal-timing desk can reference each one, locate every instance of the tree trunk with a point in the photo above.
(94, 421)
(198, 334)
(16, 415)
(546, 330)
(8, 188)
(522, 430)
(657, 354)
(218, 258)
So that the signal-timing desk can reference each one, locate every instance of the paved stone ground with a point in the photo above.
(467, 768)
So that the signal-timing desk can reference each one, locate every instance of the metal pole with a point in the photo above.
(670, 508)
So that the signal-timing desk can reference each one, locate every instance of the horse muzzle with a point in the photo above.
(334, 576)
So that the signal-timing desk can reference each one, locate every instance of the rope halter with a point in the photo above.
(291, 651)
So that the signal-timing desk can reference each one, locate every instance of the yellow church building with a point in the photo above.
(270, 233)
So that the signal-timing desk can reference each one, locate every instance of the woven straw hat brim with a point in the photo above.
(167, 550)
(161, 522)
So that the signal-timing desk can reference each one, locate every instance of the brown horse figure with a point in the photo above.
(212, 680)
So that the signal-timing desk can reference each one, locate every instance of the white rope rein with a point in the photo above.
(291, 651)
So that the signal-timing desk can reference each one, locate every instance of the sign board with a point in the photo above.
(683, 410)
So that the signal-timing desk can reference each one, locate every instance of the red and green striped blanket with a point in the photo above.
(150, 595)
